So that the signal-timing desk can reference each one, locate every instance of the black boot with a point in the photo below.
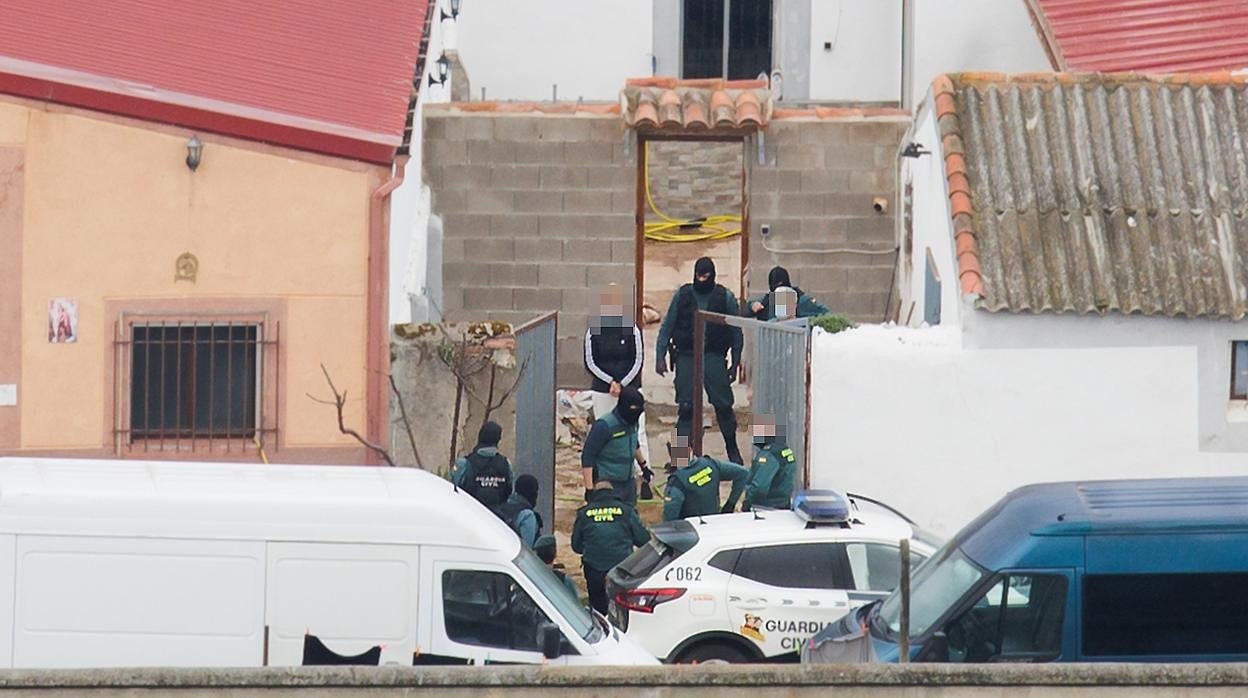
(728, 427)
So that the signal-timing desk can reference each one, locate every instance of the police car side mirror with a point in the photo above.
(551, 640)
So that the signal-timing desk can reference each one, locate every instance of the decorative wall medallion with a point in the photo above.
(186, 268)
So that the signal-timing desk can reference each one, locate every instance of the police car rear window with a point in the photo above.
(725, 560)
(797, 566)
(646, 560)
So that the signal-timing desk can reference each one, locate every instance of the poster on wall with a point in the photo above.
(62, 321)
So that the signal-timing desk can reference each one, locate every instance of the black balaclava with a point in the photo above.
(631, 404)
(545, 548)
(777, 277)
(490, 434)
(704, 265)
(526, 486)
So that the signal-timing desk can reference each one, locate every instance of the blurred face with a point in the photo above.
(612, 303)
(679, 451)
(764, 426)
(786, 304)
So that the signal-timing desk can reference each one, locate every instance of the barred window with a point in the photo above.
(197, 380)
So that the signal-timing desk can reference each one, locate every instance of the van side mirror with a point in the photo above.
(551, 640)
(936, 649)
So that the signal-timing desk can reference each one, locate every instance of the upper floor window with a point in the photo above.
(726, 39)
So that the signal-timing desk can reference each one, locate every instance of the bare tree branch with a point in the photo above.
(407, 425)
(340, 401)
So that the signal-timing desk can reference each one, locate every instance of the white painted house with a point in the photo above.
(1072, 288)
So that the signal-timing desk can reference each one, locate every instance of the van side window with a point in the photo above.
(877, 567)
(1136, 615)
(1019, 619)
(491, 610)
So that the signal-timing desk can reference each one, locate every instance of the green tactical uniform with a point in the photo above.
(771, 476)
(615, 461)
(676, 336)
(806, 307)
(606, 531)
(694, 489)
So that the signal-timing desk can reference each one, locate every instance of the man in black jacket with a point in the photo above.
(676, 336)
(613, 357)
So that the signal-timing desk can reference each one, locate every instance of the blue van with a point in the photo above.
(1127, 570)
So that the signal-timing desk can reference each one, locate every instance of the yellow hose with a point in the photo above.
(711, 228)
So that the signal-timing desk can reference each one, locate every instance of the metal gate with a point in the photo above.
(535, 409)
(777, 356)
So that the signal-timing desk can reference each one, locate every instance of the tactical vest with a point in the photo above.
(615, 460)
(718, 337)
(509, 512)
(489, 476)
(782, 484)
(699, 481)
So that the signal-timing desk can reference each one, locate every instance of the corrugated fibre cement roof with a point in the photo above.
(1098, 193)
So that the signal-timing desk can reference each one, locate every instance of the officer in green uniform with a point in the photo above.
(612, 445)
(773, 469)
(693, 486)
(604, 534)
(785, 301)
(676, 337)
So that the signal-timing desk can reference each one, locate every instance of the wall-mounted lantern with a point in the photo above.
(443, 69)
(194, 151)
(455, 4)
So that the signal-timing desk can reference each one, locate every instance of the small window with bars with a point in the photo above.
(193, 381)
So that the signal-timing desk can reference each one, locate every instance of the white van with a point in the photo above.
(124, 563)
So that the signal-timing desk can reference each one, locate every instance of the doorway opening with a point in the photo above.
(692, 202)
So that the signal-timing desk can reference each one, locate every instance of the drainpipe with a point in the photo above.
(377, 350)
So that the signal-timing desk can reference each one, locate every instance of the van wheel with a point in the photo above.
(714, 653)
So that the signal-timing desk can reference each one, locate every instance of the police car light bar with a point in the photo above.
(821, 506)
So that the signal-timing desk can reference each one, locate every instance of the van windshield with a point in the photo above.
(936, 586)
(552, 588)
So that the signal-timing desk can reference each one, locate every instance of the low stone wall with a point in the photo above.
(1043, 681)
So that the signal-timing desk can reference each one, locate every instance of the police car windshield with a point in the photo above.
(936, 586)
(564, 601)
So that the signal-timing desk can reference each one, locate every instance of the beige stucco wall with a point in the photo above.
(109, 205)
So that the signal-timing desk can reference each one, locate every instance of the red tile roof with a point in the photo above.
(1150, 36)
(329, 76)
(668, 103)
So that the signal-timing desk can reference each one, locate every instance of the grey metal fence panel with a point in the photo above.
(779, 358)
(536, 356)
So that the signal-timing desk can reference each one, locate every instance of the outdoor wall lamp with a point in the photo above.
(444, 71)
(454, 11)
(914, 150)
(194, 151)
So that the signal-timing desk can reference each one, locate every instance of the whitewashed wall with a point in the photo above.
(973, 35)
(517, 49)
(864, 63)
(931, 226)
(941, 431)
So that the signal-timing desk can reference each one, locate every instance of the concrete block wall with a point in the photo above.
(815, 191)
(694, 179)
(538, 212)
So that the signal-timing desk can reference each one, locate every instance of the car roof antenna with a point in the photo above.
(701, 521)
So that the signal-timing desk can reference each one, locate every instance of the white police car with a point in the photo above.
(754, 586)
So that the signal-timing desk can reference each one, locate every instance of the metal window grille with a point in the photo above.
(197, 384)
(726, 39)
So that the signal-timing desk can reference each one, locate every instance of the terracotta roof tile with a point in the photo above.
(667, 103)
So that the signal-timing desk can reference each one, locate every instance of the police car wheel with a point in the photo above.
(713, 653)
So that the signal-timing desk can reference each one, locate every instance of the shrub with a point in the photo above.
(832, 323)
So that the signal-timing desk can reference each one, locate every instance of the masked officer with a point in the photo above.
(773, 469)
(611, 447)
(773, 307)
(693, 486)
(604, 534)
(518, 513)
(545, 549)
(485, 473)
(676, 336)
